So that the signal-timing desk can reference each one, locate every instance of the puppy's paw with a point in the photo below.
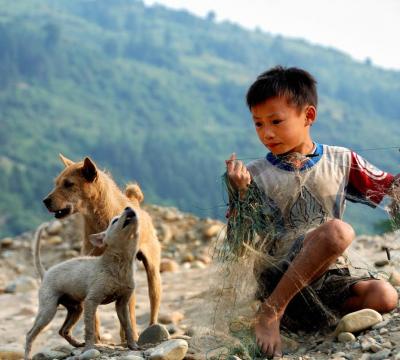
(133, 345)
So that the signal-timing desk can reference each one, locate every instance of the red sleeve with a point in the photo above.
(367, 184)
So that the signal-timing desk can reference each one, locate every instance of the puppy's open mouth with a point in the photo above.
(130, 217)
(62, 212)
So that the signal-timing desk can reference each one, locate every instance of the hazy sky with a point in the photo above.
(362, 28)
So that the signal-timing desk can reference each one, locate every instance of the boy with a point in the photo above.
(307, 185)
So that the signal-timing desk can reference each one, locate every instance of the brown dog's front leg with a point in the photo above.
(89, 310)
(121, 305)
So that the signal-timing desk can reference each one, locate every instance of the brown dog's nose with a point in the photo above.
(47, 202)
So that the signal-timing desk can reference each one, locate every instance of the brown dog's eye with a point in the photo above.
(68, 184)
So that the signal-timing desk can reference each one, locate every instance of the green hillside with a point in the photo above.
(157, 96)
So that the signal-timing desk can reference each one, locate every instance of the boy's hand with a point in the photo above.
(238, 175)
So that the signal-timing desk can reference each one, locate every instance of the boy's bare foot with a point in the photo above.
(267, 332)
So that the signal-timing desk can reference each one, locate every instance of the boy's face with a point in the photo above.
(282, 127)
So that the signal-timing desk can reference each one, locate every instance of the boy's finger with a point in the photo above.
(231, 159)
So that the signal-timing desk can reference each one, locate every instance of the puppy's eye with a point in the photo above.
(114, 221)
(68, 184)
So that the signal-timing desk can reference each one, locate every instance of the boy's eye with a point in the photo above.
(258, 124)
(68, 184)
(276, 121)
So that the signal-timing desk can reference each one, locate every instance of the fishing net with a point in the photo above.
(250, 245)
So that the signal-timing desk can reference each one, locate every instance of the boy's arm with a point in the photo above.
(367, 184)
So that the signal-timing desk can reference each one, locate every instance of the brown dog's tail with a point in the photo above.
(36, 250)
(133, 192)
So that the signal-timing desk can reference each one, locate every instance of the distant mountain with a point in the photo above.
(157, 96)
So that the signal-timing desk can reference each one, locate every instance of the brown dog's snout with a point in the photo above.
(47, 202)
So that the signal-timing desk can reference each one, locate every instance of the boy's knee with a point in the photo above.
(388, 298)
(339, 235)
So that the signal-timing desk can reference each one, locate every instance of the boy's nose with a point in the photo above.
(269, 134)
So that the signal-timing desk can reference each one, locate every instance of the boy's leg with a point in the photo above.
(321, 248)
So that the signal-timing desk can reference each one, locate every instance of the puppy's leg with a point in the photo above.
(97, 326)
(152, 266)
(89, 309)
(132, 313)
(121, 305)
(73, 315)
(47, 310)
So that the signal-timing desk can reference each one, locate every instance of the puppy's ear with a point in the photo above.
(89, 170)
(66, 162)
(97, 240)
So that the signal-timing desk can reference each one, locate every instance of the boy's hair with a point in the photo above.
(296, 85)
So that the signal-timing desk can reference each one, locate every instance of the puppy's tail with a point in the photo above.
(36, 250)
(133, 192)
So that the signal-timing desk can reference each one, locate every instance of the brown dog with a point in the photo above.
(82, 187)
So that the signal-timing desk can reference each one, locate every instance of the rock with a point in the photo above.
(10, 352)
(154, 334)
(289, 345)
(212, 230)
(169, 350)
(381, 324)
(28, 311)
(381, 355)
(54, 228)
(22, 284)
(172, 318)
(375, 347)
(189, 257)
(89, 354)
(168, 265)
(198, 265)
(381, 263)
(358, 321)
(136, 355)
(383, 331)
(345, 337)
(164, 233)
(6, 242)
(55, 240)
(394, 278)
(48, 354)
(204, 258)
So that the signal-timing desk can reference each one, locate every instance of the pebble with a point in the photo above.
(381, 355)
(54, 228)
(48, 354)
(197, 264)
(6, 242)
(346, 337)
(212, 230)
(169, 350)
(380, 325)
(55, 240)
(154, 334)
(21, 284)
(381, 263)
(10, 352)
(394, 278)
(131, 357)
(358, 321)
(89, 354)
(172, 318)
(168, 265)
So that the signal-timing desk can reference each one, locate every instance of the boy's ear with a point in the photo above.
(67, 162)
(89, 170)
(311, 115)
(97, 240)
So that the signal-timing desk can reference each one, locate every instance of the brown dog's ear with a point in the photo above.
(89, 170)
(66, 162)
(97, 240)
